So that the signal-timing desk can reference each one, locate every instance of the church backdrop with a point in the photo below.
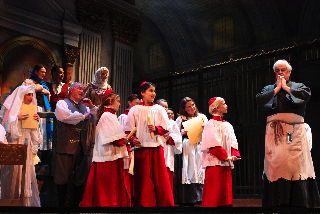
(196, 48)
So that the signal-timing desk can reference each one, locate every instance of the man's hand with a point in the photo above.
(279, 84)
(284, 85)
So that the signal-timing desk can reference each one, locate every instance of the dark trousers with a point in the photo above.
(70, 173)
(69, 195)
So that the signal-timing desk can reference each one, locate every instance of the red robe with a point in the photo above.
(170, 174)
(107, 186)
(217, 189)
(152, 187)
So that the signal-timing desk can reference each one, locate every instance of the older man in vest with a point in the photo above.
(72, 149)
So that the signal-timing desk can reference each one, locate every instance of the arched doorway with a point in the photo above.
(18, 56)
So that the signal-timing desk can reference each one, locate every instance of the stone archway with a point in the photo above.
(18, 56)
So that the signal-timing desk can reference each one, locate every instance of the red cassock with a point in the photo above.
(108, 185)
(152, 186)
(217, 189)
(130, 181)
(170, 174)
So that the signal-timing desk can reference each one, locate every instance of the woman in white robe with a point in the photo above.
(11, 175)
(189, 172)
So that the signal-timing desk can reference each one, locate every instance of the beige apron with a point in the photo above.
(287, 153)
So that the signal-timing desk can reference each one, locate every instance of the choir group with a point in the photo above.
(144, 157)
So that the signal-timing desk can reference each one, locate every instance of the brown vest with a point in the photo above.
(72, 138)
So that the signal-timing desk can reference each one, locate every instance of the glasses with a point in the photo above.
(282, 70)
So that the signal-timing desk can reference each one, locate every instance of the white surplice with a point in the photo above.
(108, 130)
(192, 171)
(159, 117)
(217, 133)
(171, 150)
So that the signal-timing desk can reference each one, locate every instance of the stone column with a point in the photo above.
(125, 29)
(71, 49)
(122, 71)
(90, 53)
(93, 16)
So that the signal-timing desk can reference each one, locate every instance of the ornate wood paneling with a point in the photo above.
(125, 27)
(71, 53)
(13, 154)
(92, 14)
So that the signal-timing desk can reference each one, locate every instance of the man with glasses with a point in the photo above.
(289, 177)
(72, 150)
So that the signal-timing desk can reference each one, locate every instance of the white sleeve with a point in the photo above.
(164, 119)
(2, 111)
(230, 136)
(204, 118)
(64, 115)
(14, 129)
(130, 123)
(36, 137)
(108, 129)
(179, 122)
(176, 136)
(2, 135)
(122, 119)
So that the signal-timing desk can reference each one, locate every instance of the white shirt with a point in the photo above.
(64, 114)
(138, 117)
(108, 130)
